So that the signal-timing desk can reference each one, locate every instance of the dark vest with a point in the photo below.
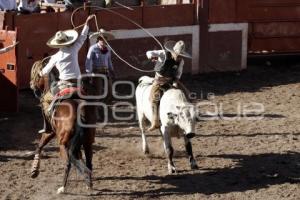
(170, 67)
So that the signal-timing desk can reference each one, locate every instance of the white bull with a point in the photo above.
(177, 118)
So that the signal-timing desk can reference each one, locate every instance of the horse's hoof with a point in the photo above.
(194, 167)
(35, 173)
(60, 190)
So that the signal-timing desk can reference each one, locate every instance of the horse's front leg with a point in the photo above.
(36, 160)
(189, 150)
(168, 149)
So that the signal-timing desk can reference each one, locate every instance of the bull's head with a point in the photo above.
(185, 118)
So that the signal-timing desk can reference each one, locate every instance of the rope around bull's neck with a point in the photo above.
(124, 17)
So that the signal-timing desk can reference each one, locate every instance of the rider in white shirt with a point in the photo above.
(65, 60)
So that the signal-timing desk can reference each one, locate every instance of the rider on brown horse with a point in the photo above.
(65, 60)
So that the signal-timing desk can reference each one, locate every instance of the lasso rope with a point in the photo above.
(124, 17)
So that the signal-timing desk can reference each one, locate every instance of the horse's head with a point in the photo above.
(185, 118)
(37, 83)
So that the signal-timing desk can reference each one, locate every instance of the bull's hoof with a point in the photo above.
(89, 188)
(172, 169)
(146, 150)
(190, 135)
(60, 190)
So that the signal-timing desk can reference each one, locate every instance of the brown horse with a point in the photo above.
(65, 127)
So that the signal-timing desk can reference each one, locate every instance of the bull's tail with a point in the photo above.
(74, 151)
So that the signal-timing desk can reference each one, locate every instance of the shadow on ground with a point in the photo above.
(251, 172)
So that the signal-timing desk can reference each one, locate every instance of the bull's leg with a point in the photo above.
(142, 126)
(64, 154)
(144, 141)
(36, 161)
(189, 150)
(168, 149)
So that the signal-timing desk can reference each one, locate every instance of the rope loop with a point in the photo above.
(124, 17)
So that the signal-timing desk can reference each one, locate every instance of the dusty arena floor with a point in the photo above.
(238, 158)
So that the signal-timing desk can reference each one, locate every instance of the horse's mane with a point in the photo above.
(37, 67)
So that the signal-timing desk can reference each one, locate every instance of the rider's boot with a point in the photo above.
(47, 127)
(155, 119)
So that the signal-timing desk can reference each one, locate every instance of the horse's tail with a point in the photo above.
(74, 150)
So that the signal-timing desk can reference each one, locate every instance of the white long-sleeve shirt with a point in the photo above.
(66, 59)
(161, 56)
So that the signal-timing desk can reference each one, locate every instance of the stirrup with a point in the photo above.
(42, 131)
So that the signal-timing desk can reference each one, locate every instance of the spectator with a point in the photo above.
(29, 6)
(71, 4)
(100, 3)
(98, 61)
(50, 1)
(8, 5)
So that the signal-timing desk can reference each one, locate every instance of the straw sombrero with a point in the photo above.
(63, 38)
(177, 48)
(106, 34)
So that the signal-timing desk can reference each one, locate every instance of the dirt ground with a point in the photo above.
(238, 158)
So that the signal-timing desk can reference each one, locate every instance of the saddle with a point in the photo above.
(66, 93)
(72, 92)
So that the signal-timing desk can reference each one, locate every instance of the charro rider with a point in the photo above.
(65, 60)
(168, 70)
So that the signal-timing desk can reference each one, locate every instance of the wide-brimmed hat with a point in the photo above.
(177, 48)
(106, 34)
(63, 38)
